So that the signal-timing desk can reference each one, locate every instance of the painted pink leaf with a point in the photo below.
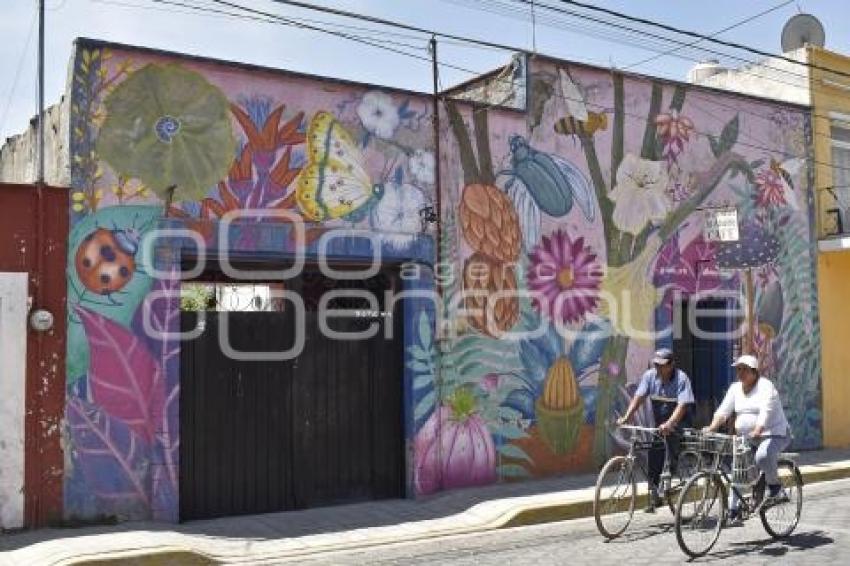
(124, 377)
(163, 322)
(113, 458)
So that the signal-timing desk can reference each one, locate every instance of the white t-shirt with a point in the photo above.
(760, 407)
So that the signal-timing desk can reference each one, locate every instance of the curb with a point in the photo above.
(577, 510)
(489, 516)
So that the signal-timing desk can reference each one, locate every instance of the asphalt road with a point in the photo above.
(822, 537)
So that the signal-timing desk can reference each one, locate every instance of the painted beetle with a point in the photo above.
(105, 260)
(552, 181)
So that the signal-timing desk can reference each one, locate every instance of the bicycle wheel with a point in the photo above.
(700, 512)
(689, 464)
(614, 500)
(781, 519)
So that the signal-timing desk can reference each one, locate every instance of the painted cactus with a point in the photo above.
(560, 409)
(454, 448)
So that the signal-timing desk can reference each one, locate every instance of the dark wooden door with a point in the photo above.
(705, 359)
(261, 436)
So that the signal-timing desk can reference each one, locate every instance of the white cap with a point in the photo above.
(747, 360)
(662, 356)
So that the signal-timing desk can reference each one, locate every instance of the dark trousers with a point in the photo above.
(656, 459)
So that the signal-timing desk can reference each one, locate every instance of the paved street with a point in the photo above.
(822, 537)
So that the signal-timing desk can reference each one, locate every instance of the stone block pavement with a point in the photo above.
(276, 536)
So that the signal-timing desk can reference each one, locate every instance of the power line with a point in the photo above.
(390, 23)
(286, 21)
(408, 27)
(477, 73)
(678, 42)
(700, 36)
(214, 12)
(294, 23)
(718, 32)
(17, 77)
(496, 7)
(501, 9)
(489, 7)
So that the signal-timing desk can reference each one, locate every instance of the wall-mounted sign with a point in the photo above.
(721, 225)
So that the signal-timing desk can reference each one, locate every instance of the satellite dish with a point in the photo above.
(801, 30)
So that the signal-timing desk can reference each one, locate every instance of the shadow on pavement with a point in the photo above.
(642, 533)
(773, 547)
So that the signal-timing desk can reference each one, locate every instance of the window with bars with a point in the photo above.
(840, 189)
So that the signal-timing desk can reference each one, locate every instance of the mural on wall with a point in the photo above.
(600, 191)
(152, 138)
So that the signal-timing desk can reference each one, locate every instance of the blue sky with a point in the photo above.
(143, 22)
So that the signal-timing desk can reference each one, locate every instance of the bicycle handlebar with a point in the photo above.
(639, 428)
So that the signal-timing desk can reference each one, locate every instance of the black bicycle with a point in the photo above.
(616, 487)
(728, 467)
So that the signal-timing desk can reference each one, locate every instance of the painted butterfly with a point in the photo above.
(334, 184)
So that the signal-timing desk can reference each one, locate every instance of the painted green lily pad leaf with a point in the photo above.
(166, 125)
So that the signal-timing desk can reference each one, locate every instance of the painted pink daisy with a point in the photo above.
(771, 188)
(566, 274)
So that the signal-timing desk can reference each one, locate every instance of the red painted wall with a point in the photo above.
(45, 395)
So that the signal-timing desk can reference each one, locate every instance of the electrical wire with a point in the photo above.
(214, 12)
(718, 32)
(502, 9)
(689, 33)
(17, 77)
(596, 105)
(497, 7)
(490, 4)
(290, 22)
(677, 42)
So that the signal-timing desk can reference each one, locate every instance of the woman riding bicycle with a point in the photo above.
(758, 415)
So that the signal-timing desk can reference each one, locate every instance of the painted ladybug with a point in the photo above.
(105, 260)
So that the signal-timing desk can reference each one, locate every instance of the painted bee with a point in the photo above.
(571, 126)
(779, 169)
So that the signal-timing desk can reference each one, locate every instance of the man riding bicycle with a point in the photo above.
(669, 390)
(758, 415)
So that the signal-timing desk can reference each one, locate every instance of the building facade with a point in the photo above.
(531, 251)
(822, 83)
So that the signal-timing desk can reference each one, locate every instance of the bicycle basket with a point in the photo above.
(715, 444)
(691, 440)
(744, 470)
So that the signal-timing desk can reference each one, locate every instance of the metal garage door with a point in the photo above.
(323, 428)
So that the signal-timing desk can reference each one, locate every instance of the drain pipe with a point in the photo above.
(438, 203)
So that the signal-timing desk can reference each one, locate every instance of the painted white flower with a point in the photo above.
(422, 166)
(640, 195)
(631, 296)
(396, 215)
(378, 114)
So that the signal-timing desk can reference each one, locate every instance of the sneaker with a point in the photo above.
(734, 519)
(776, 495)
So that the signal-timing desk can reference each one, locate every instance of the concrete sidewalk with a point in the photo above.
(277, 536)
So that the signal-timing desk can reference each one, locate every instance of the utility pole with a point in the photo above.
(533, 28)
(40, 133)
